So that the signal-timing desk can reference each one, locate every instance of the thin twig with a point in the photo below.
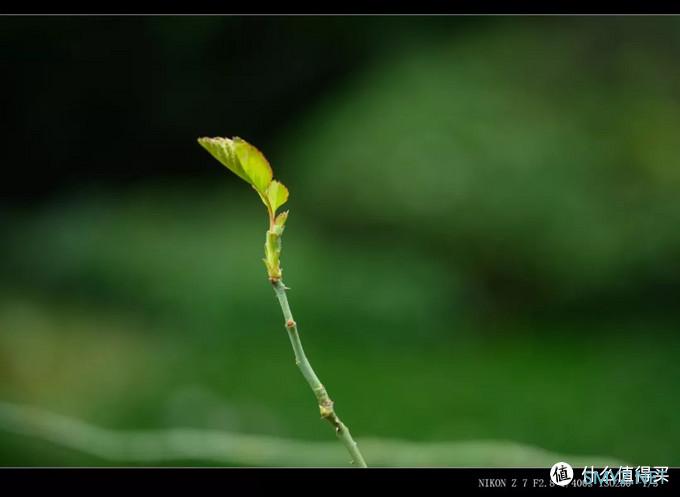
(325, 403)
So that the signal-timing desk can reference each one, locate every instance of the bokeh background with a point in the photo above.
(483, 246)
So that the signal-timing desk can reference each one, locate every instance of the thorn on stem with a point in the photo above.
(290, 324)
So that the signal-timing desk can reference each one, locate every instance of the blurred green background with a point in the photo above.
(483, 243)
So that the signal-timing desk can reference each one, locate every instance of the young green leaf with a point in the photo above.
(265, 201)
(280, 223)
(254, 164)
(281, 219)
(248, 163)
(277, 194)
(223, 150)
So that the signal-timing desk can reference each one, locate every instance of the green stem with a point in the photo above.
(325, 402)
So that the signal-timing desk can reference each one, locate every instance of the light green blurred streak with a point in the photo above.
(156, 446)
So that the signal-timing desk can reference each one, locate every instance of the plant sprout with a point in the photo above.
(249, 164)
